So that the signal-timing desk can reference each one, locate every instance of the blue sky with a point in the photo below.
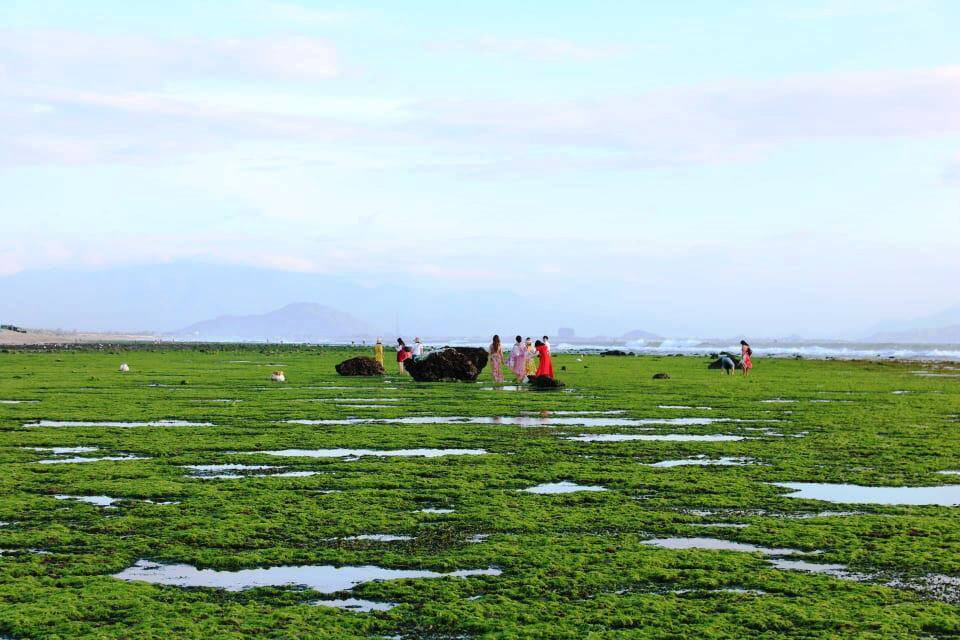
(799, 161)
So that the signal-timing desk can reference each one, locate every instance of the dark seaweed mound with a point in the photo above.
(360, 366)
(478, 356)
(545, 382)
(453, 364)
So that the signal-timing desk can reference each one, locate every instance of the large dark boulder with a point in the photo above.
(360, 366)
(661, 376)
(543, 383)
(452, 364)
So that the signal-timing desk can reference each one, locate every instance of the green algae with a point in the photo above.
(573, 565)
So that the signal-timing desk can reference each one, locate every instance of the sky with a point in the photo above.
(752, 167)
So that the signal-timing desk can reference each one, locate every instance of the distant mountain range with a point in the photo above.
(937, 335)
(297, 322)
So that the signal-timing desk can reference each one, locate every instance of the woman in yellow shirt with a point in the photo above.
(378, 351)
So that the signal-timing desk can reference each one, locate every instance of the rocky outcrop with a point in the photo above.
(360, 366)
(615, 352)
(661, 376)
(542, 383)
(453, 364)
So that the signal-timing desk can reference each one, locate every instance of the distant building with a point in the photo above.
(566, 333)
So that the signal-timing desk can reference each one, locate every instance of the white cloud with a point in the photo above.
(71, 58)
(540, 49)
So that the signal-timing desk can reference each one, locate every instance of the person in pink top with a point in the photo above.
(745, 353)
(518, 360)
(496, 360)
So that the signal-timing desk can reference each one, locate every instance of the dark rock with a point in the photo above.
(661, 376)
(563, 368)
(449, 365)
(360, 366)
(614, 352)
(545, 382)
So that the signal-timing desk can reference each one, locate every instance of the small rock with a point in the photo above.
(661, 376)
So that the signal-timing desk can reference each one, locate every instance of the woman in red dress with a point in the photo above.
(402, 355)
(546, 366)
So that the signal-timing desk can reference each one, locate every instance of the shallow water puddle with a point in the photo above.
(355, 604)
(356, 453)
(720, 525)
(946, 495)
(716, 544)
(57, 451)
(379, 537)
(435, 510)
(665, 437)
(363, 406)
(777, 558)
(151, 423)
(322, 578)
(683, 406)
(562, 487)
(82, 459)
(547, 413)
(778, 401)
(750, 592)
(704, 461)
(214, 471)
(100, 501)
(19, 401)
(528, 421)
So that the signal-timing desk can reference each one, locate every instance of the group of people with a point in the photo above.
(527, 358)
(521, 359)
(404, 352)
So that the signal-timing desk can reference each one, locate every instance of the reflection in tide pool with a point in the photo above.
(947, 495)
(531, 421)
(322, 578)
(343, 453)
(562, 487)
(666, 437)
(704, 461)
(355, 604)
(214, 471)
(150, 423)
(100, 501)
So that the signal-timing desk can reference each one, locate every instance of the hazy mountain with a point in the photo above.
(639, 334)
(302, 321)
(166, 297)
(949, 334)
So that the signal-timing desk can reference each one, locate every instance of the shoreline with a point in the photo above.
(894, 353)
